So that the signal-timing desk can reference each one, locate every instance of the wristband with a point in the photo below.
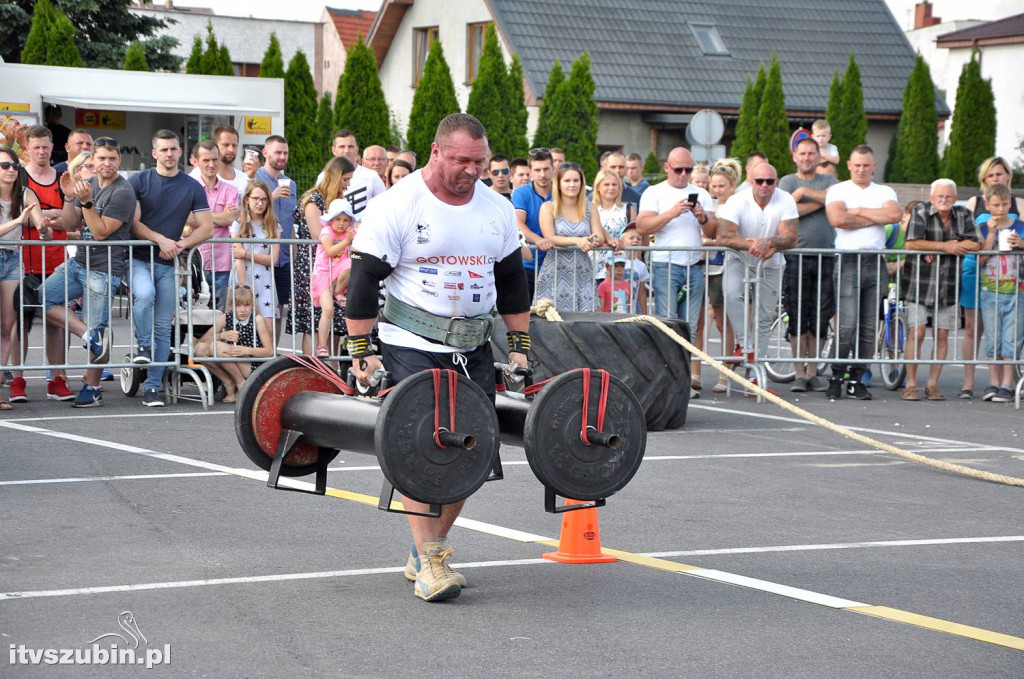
(360, 346)
(518, 342)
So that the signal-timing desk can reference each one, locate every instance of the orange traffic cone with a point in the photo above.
(580, 541)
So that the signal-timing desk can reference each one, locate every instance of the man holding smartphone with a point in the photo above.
(676, 212)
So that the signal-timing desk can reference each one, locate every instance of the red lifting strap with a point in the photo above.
(453, 384)
(602, 401)
(321, 368)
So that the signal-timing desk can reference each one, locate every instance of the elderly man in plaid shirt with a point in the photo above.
(930, 280)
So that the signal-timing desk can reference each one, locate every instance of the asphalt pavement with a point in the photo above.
(753, 544)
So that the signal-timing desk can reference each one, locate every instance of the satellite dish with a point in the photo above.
(706, 128)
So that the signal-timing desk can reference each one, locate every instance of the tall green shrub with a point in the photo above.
(51, 38)
(194, 64)
(490, 101)
(517, 141)
(972, 137)
(272, 65)
(851, 127)
(747, 125)
(773, 123)
(835, 99)
(300, 108)
(574, 114)
(542, 135)
(62, 50)
(360, 105)
(433, 101)
(915, 159)
(135, 58)
(324, 129)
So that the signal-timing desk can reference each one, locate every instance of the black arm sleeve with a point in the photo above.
(510, 284)
(364, 286)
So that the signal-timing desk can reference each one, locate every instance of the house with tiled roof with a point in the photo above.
(657, 62)
(348, 25)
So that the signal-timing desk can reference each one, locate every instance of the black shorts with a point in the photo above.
(31, 285)
(403, 362)
(808, 293)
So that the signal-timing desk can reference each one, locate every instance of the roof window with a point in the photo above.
(709, 39)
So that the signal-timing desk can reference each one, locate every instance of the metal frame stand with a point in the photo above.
(551, 505)
(285, 445)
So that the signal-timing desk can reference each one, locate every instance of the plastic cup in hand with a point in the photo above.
(1004, 240)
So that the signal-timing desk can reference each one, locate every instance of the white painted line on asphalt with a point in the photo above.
(52, 418)
(281, 577)
(500, 531)
(837, 545)
(880, 432)
(772, 588)
(130, 477)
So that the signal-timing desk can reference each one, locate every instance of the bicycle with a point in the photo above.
(779, 364)
(891, 343)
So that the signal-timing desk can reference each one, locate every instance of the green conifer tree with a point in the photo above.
(835, 99)
(209, 63)
(574, 114)
(324, 129)
(194, 65)
(135, 58)
(542, 135)
(224, 63)
(360, 105)
(652, 165)
(40, 34)
(517, 141)
(972, 137)
(433, 101)
(852, 127)
(272, 65)
(490, 101)
(300, 108)
(750, 105)
(62, 50)
(773, 123)
(915, 159)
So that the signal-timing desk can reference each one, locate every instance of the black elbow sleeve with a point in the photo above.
(364, 286)
(513, 293)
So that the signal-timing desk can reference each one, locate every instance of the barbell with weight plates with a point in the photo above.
(286, 408)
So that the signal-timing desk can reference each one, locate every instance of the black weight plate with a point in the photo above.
(556, 452)
(404, 438)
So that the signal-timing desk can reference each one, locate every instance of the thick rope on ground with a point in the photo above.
(545, 308)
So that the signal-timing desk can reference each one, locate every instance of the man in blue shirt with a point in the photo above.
(527, 201)
(166, 199)
(635, 173)
(284, 196)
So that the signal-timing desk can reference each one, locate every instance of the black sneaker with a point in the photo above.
(858, 391)
(143, 356)
(152, 399)
(835, 388)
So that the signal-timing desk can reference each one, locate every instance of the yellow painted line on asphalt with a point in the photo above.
(939, 625)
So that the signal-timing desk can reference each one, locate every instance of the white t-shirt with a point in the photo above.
(240, 182)
(753, 222)
(365, 185)
(872, 196)
(443, 255)
(683, 231)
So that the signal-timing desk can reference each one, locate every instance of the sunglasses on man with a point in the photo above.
(500, 170)
(770, 181)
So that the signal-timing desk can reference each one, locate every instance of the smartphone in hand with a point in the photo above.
(692, 198)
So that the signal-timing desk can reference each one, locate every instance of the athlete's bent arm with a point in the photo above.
(361, 306)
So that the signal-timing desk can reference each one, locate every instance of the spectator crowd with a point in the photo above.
(721, 245)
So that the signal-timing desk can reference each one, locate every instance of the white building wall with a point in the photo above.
(451, 19)
(248, 38)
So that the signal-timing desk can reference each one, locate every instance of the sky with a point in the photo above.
(310, 10)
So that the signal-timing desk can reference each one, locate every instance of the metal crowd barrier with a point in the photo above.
(763, 310)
